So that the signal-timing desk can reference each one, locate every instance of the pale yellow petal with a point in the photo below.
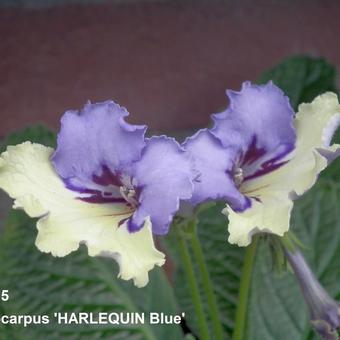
(315, 124)
(271, 215)
(27, 175)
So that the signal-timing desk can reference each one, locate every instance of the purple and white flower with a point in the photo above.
(259, 156)
(105, 185)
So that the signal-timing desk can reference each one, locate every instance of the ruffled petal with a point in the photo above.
(162, 177)
(261, 111)
(273, 192)
(94, 140)
(259, 123)
(215, 166)
(270, 215)
(27, 175)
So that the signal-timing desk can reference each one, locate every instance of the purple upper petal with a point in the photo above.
(163, 177)
(258, 123)
(94, 144)
(215, 165)
(107, 160)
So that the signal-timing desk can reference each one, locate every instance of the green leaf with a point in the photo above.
(41, 284)
(302, 78)
(276, 308)
(35, 134)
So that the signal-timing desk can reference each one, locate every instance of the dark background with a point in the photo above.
(168, 62)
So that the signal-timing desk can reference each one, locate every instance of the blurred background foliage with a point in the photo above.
(41, 284)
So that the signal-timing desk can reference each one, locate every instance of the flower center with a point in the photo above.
(238, 177)
(129, 194)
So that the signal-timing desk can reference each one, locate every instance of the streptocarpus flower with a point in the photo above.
(259, 156)
(324, 311)
(105, 186)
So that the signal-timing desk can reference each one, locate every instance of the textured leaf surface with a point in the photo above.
(276, 308)
(224, 265)
(35, 134)
(302, 78)
(41, 284)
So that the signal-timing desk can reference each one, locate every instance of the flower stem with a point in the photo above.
(241, 310)
(207, 285)
(195, 294)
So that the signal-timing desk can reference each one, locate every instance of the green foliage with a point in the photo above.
(302, 78)
(276, 308)
(35, 134)
(41, 284)
(224, 265)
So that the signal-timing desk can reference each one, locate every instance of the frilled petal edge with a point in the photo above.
(164, 176)
(260, 113)
(214, 164)
(95, 137)
(270, 215)
(315, 125)
(27, 175)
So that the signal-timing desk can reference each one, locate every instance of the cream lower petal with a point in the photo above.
(315, 125)
(27, 176)
(271, 215)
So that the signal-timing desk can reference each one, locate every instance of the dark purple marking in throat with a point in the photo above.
(272, 164)
(253, 153)
(107, 177)
(100, 196)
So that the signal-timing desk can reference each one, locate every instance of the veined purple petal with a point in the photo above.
(216, 166)
(163, 177)
(259, 123)
(95, 143)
